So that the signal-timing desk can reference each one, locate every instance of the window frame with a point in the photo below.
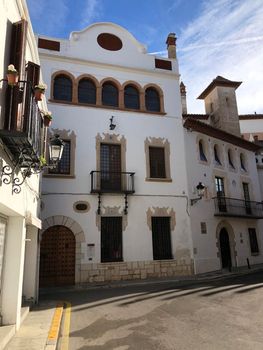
(251, 244)
(201, 151)
(146, 100)
(166, 242)
(113, 84)
(120, 239)
(217, 159)
(158, 143)
(231, 163)
(83, 79)
(138, 107)
(69, 77)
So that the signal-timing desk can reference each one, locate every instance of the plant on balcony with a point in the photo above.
(12, 75)
(42, 161)
(39, 91)
(47, 116)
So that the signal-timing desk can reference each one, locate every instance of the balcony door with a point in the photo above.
(220, 193)
(110, 167)
(247, 198)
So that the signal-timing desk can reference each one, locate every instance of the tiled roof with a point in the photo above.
(196, 125)
(250, 116)
(219, 81)
(196, 116)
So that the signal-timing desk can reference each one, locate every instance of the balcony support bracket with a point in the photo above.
(99, 204)
(126, 204)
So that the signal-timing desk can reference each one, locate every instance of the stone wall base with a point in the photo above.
(136, 270)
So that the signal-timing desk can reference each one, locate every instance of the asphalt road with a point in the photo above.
(220, 314)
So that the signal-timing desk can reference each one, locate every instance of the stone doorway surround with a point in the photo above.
(76, 230)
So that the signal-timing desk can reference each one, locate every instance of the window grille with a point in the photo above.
(62, 88)
(110, 166)
(131, 97)
(203, 227)
(152, 100)
(110, 95)
(111, 239)
(253, 241)
(157, 162)
(86, 91)
(161, 238)
(63, 166)
(220, 192)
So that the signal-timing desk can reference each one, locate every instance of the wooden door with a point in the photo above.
(225, 249)
(57, 257)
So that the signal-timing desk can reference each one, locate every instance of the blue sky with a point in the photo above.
(215, 37)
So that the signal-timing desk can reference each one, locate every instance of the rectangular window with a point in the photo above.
(247, 198)
(63, 167)
(110, 167)
(253, 241)
(157, 162)
(111, 239)
(161, 238)
(220, 193)
(203, 227)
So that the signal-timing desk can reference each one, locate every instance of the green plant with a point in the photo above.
(43, 161)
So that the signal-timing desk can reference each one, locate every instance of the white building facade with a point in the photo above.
(21, 135)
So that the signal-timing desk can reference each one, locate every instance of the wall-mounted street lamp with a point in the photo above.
(200, 192)
(56, 146)
(112, 126)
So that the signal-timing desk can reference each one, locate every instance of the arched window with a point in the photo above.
(242, 162)
(152, 100)
(62, 89)
(110, 95)
(230, 159)
(86, 91)
(216, 155)
(131, 97)
(202, 152)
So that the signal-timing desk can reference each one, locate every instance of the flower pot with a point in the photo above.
(38, 94)
(12, 78)
(47, 121)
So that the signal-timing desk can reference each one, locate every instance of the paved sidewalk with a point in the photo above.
(33, 333)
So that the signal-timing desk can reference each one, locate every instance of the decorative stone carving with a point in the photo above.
(164, 211)
(112, 211)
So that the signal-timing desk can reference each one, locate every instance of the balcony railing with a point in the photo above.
(238, 208)
(112, 182)
(22, 129)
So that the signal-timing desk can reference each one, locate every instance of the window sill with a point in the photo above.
(106, 107)
(63, 176)
(156, 179)
(255, 254)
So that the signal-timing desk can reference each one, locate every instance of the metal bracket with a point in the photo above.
(99, 204)
(126, 204)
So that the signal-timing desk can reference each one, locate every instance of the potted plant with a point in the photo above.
(42, 161)
(39, 90)
(47, 118)
(12, 75)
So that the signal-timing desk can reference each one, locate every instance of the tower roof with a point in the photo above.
(219, 81)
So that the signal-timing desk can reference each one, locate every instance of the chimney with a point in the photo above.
(183, 98)
(171, 45)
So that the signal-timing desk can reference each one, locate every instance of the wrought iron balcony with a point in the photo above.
(112, 182)
(22, 129)
(233, 207)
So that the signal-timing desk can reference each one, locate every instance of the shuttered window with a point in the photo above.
(111, 239)
(161, 238)
(157, 162)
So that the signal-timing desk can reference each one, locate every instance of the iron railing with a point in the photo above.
(233, 207)
(112, 182)
(22, 129)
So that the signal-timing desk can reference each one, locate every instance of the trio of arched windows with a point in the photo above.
(87, 94)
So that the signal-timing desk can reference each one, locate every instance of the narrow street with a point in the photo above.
(218, 314)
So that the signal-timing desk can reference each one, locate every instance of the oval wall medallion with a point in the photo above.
(81, 207)
(109, 42)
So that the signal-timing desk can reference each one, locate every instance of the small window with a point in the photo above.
(253, 241)
(110, 95)
(201, 152)
(157, 162)
(242, 162)
(131, 97)
(87, 91)
(152, 100)
(216, 155)
(203, 227)
(63, 167)
(62, 88)
(230, 159)
(161, 238)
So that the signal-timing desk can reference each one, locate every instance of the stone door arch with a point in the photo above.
(75, 228)
(226, 245)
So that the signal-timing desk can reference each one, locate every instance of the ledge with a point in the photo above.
(152, 179)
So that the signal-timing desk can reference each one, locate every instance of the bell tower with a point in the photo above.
(221, 104)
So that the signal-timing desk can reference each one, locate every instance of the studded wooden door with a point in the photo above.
(57, 257)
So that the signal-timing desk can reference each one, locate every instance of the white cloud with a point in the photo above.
(91, 11)
(225, 39)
